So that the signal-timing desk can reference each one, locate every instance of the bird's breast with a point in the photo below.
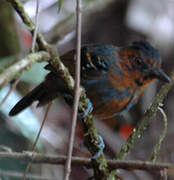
(107, 100)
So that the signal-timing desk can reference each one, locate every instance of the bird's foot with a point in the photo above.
(100, 146)
(87, 111)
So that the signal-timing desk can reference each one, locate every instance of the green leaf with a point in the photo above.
(36, 73)
(60, 5)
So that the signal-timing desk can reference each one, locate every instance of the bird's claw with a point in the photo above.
(101, 147)
(87, 111)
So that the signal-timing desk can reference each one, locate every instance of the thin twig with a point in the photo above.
(36, 141)
(12, 87)
(77, 89)
(158, 144)
(16, 69)
(78, 161)
(36, 27)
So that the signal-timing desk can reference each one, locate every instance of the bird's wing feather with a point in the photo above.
(95, 60)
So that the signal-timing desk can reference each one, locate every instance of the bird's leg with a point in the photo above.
(101, 144)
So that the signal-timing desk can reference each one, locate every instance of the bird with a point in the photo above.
(113, 77)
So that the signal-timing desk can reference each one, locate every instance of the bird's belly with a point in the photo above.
(109, 109)
(108, 101)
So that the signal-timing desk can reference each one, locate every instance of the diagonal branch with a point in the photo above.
(19, 67)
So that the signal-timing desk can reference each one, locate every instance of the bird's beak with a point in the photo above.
(160, 74)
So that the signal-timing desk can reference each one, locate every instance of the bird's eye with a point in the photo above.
(138, 60)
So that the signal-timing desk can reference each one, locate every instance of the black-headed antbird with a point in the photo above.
(113, 77)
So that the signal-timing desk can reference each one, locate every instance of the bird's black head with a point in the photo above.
(147, 49)
(147, 60)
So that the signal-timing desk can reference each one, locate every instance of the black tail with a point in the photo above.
(27, 100)
(48, 90)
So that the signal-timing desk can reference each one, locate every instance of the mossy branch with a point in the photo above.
(16, 69)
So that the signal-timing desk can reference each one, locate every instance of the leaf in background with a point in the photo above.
(26, 122)
(59, 5)
(36, 73)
